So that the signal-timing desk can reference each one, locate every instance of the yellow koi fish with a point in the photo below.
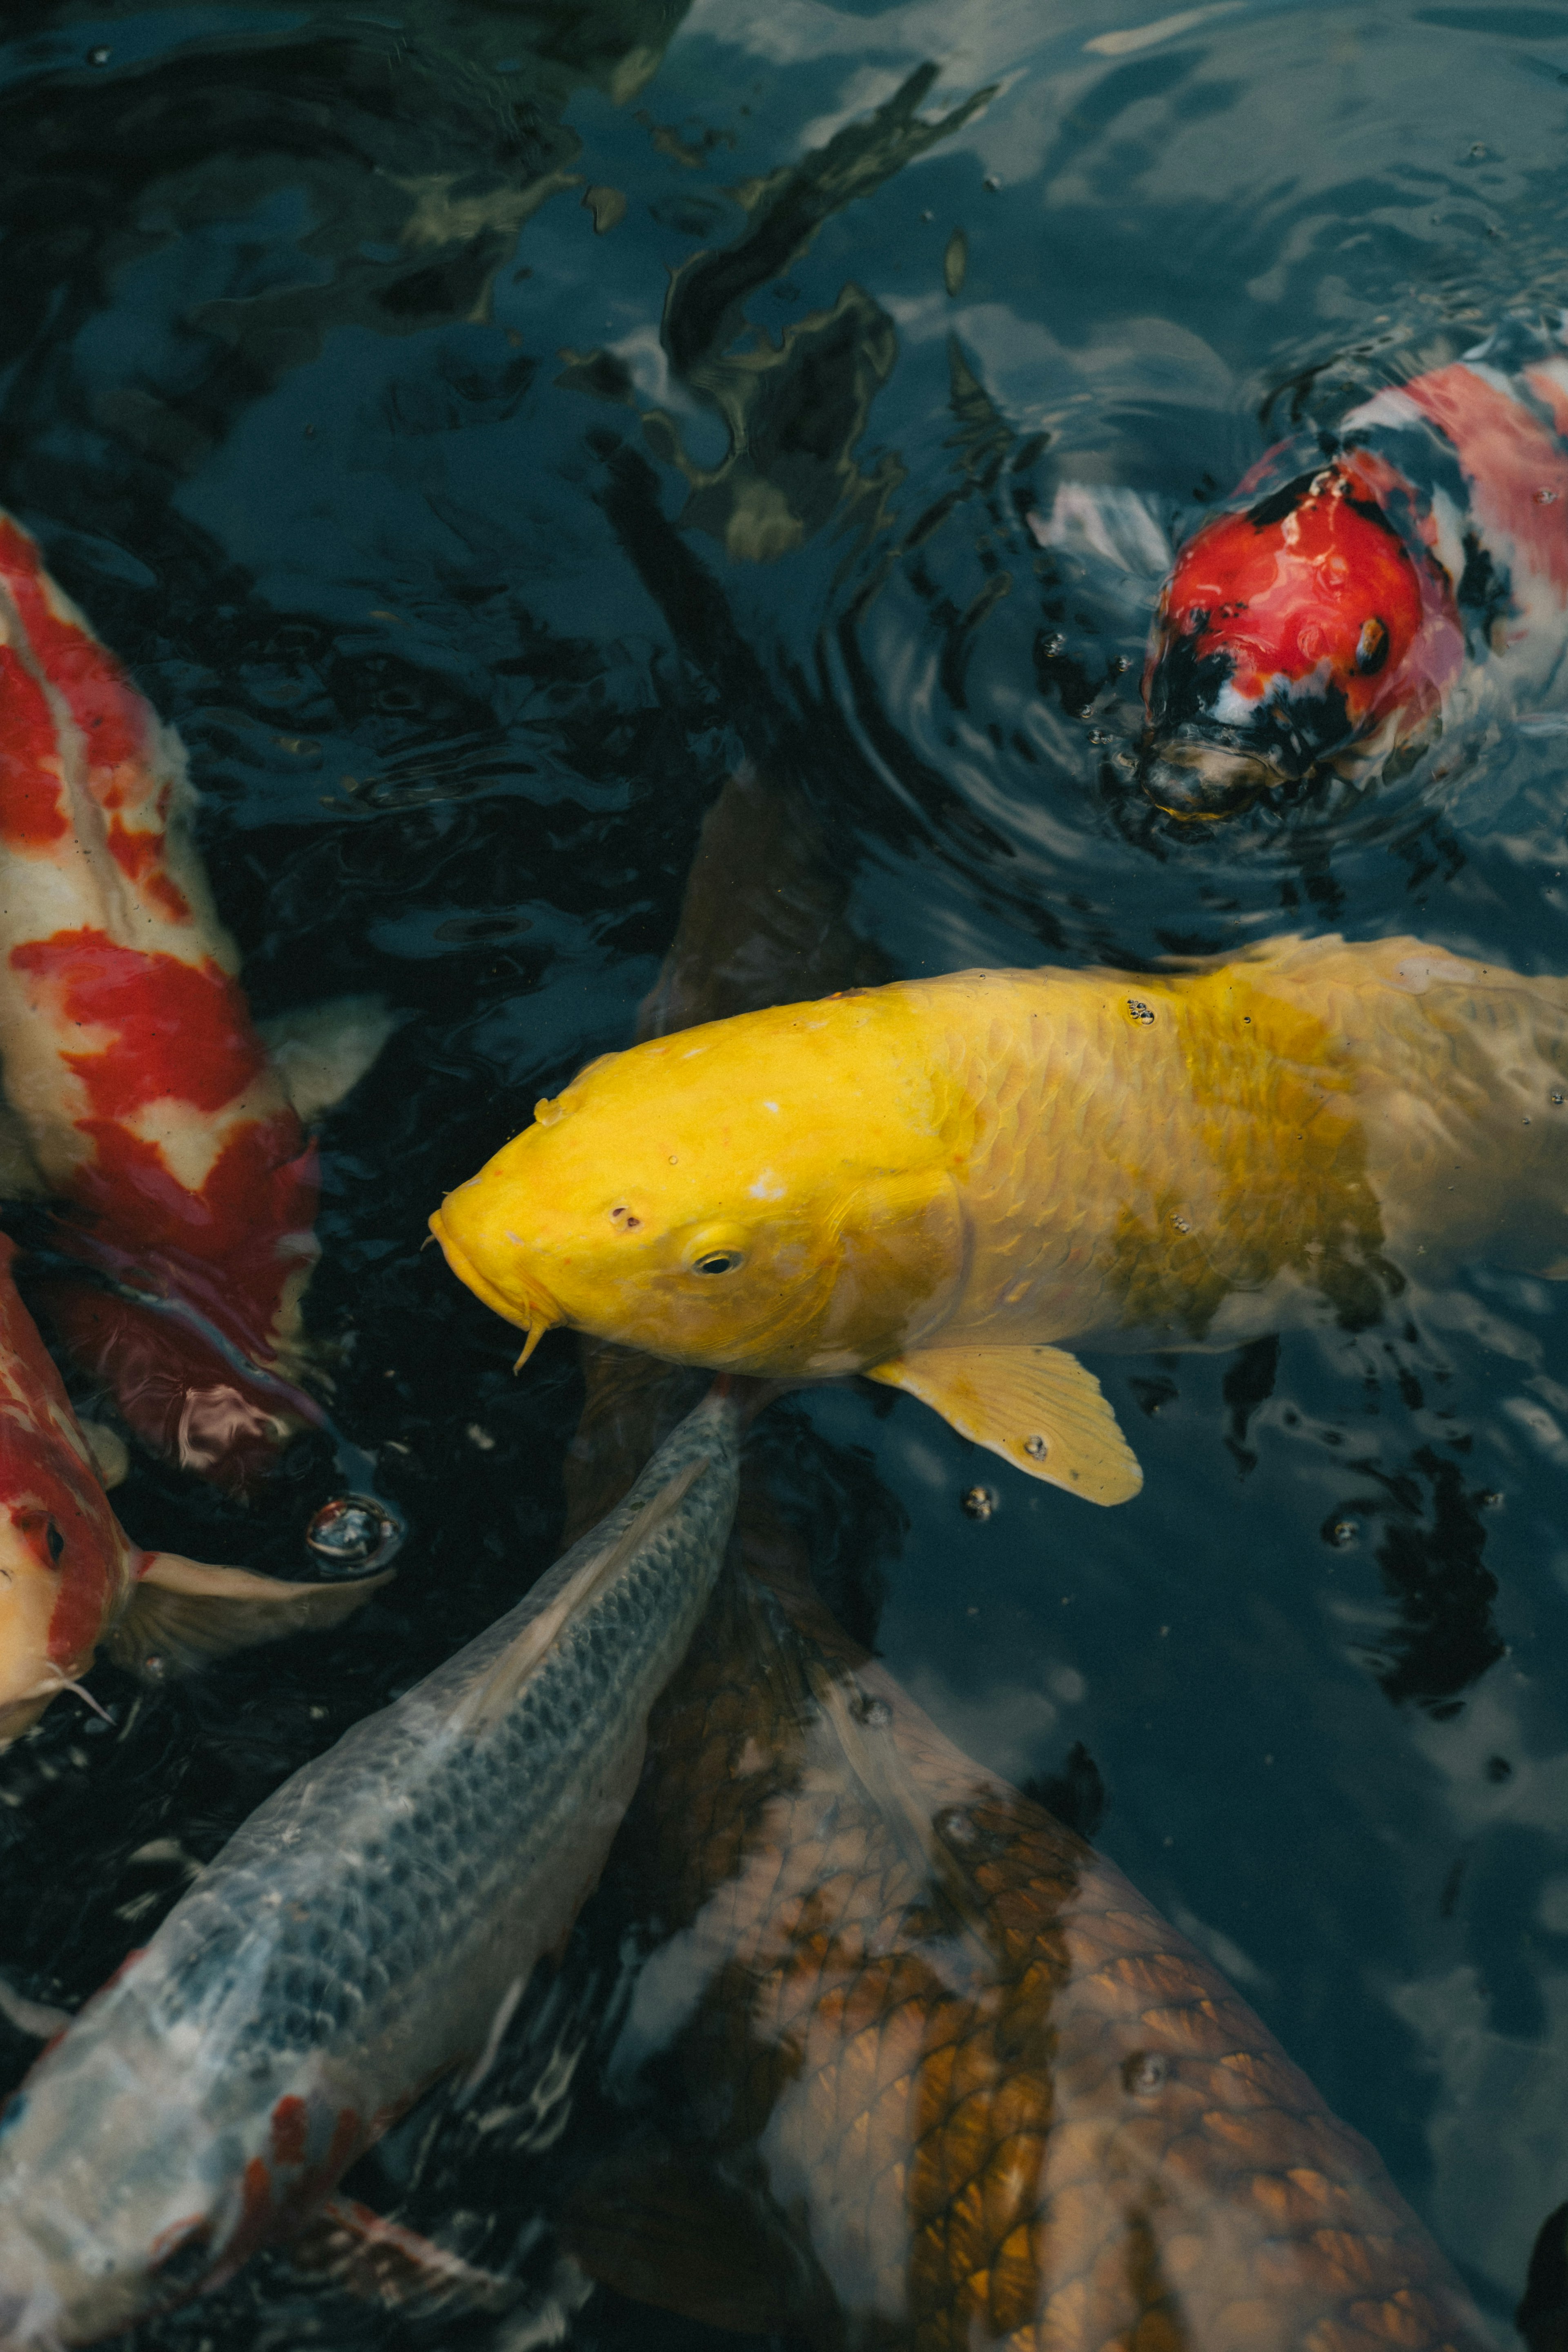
(939, 1183)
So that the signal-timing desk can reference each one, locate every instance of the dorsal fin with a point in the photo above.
(486, 1701)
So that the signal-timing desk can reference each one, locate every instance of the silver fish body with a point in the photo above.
(368, 1931)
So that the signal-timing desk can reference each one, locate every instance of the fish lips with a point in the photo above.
(1204, 778)
(530, 1310)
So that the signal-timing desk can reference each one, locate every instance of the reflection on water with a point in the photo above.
(536, 454)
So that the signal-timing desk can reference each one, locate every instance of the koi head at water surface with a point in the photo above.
(1299, 636)
(765, 1195)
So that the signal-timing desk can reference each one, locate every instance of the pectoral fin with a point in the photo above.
(321, 1051)
(349, 2246)
(1036, 1407)
(186, 1611)
(667, 2231)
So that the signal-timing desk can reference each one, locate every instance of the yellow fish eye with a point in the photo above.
(717, 1249)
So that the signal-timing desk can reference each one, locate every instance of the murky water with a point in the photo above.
(426, 403)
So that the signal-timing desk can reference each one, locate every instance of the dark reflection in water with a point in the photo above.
(486, 430)
(1431, 1539)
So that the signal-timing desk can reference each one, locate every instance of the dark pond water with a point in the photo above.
(361, 375)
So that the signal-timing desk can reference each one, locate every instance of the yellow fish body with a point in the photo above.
(939, 1181)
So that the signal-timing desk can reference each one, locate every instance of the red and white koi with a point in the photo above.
(148, 1101)
(71, 1578)
(1367, 587)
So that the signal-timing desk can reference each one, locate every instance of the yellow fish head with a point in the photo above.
(770, 1194)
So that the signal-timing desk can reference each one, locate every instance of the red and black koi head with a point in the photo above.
(1288, 633)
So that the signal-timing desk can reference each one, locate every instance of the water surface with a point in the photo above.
(480, 459)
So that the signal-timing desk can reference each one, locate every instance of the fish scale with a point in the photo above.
(356, 1937)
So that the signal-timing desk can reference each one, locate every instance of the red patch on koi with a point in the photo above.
(100, 697)
(253, 2226)
(347, 2133)
(181, 1031)
(1508, 456)
(139, 857)
(313, 2187)
(163, 893)
(290, 2131)
(229, 1248)
(1298, 593)
(31, 814)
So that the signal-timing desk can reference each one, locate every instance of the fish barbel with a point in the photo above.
(1368, 584)
(71, 1580)
(954, 2082)
(148, 1101)
(939, 1181)
(370, 1928)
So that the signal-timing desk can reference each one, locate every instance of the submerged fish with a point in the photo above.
(368, 1929)
(938, 1181)
(71, 1578)
(952, 2082)
(147, 1099)
(1366, 585)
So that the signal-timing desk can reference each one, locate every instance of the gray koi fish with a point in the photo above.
(368, 1929)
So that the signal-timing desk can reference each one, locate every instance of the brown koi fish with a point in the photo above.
(956, 2083)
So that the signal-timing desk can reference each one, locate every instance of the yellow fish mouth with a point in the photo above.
(533, 1313)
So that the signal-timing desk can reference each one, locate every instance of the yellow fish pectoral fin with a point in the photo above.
(1039, 1408)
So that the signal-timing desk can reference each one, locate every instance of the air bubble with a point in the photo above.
(957, 1828)
(353, 1533)
(1145, 2072)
